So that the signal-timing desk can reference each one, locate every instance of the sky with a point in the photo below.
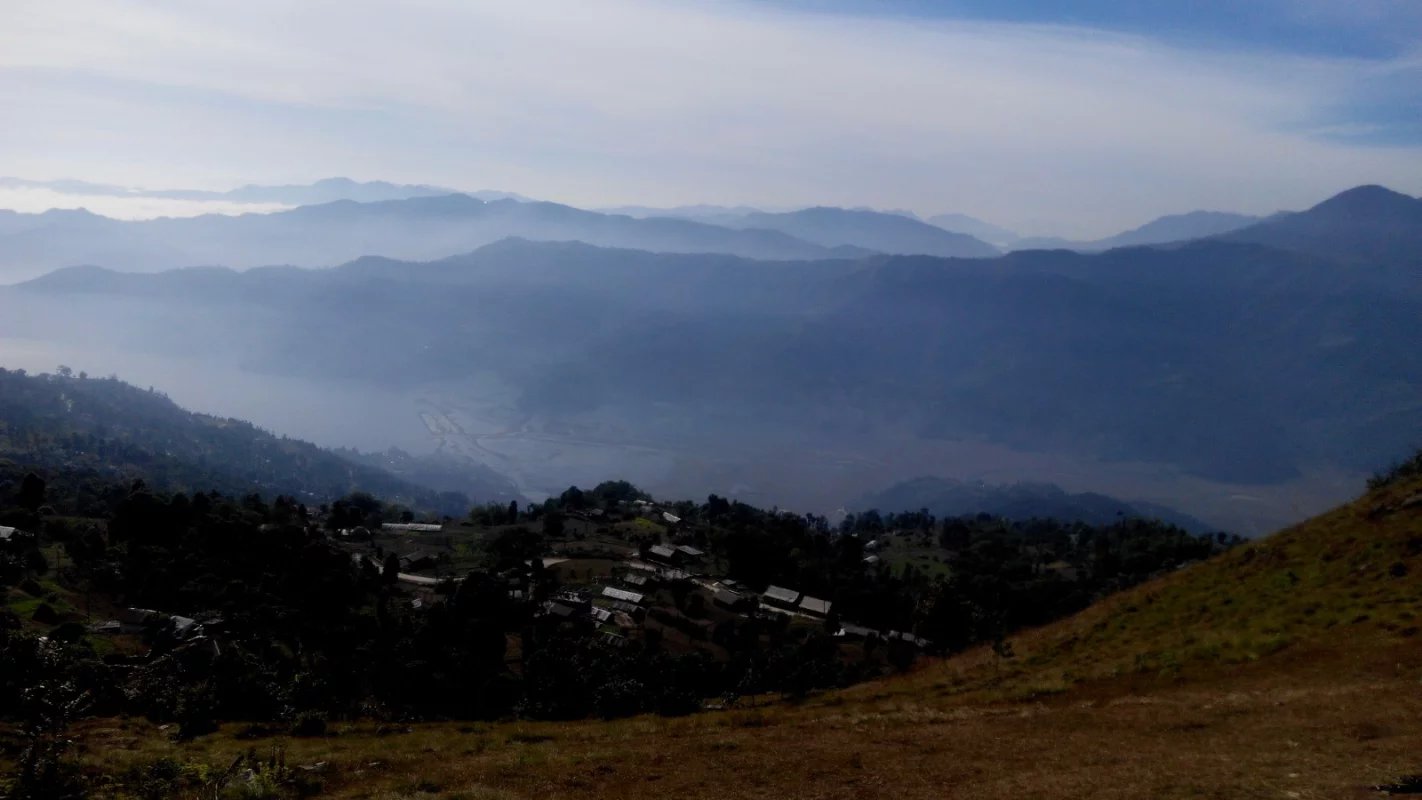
(1077, 119)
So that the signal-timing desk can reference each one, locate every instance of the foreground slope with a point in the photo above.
(1284, 669)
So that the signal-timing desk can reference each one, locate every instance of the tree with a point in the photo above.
(31, 495)
(513, 512)
(573, 498)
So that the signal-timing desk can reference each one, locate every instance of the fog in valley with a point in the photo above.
(1183, 377)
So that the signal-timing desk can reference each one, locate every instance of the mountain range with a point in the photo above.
(872, 230)
(331, 233)
(326, 190)
(1167, 229)
(1232, 361)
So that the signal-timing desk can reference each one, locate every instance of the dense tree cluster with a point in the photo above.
(295, 628)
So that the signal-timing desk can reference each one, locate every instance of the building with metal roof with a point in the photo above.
(780, 596)
(622, 594)
(815, 606)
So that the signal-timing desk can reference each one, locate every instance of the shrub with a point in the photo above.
(1402, 470)
(309, 723)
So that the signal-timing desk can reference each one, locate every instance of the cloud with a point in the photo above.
(626, 101)
(34, 200)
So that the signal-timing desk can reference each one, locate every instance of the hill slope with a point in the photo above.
(872, 230)
(1368, 224)
(1288, 668)
(77, 428)
(1163, 230)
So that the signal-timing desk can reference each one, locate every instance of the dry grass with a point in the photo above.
(1287, 669)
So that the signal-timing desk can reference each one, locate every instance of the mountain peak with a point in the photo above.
(1370, 200)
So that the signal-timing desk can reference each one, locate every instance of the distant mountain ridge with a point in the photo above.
(1163, 230)
(417, 228)
(972, 226)
(1367, 223)
(1228, 361)
(325, 190)
(944, 497)
(885, 232)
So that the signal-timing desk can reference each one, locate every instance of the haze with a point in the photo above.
(1165, 254)
(1074, 123)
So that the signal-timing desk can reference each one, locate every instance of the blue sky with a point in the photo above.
(1080, 122)
(1341, 28)
(1384, 108)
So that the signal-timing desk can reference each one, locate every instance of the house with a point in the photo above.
(780, 596)
(815, 607)
(622, 594)
(852, 631)
(137, 620)
(636, 581)
(689, 553)
(670, 518)
(417, 560)
(870, 561)
(184, 626)
(909, 638)
(626, 608)
(560, 610)
(411, 527)
(570, 597)
(664, 554)
(600, 615)
(727, 598)
(9, 535)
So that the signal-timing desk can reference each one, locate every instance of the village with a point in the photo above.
(631, 574)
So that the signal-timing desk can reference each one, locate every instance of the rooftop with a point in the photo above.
(780, 594)
(621, 594)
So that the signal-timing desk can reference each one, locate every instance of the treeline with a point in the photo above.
(295, 630)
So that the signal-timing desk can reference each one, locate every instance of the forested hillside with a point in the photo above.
(89, 433)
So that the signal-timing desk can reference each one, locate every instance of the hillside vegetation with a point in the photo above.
(1283, 668)
(79, 430)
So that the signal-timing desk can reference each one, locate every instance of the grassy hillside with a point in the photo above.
(1288, 668)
